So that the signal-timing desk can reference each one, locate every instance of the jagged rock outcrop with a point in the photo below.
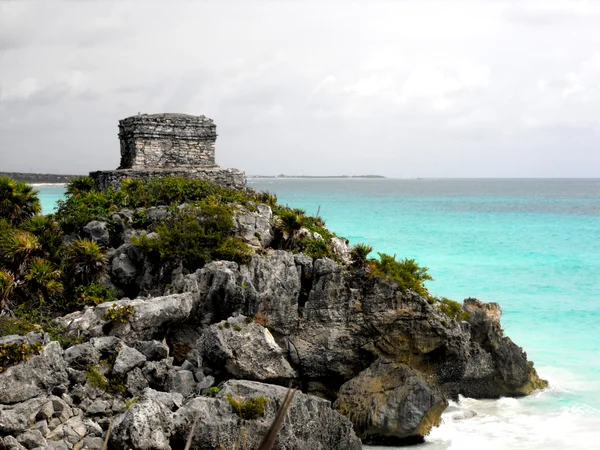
(244, 350)
(151, 317)
(41, 374)
(390, 404)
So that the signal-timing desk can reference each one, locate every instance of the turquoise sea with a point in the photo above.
(533, 246)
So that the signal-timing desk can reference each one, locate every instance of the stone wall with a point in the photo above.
(167, 141)
(225, 177)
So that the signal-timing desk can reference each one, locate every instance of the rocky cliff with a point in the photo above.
(218, 346)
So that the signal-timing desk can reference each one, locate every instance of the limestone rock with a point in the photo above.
(152, 350)
(390, 404)
(123, 269)
(254, 227)
(310, 422)
(500, 367)
(36, 376)
(244, 350)
(127, 359)
(150, 317)
(144, 426)
(98, 232)
(172, 400)
(82, 355)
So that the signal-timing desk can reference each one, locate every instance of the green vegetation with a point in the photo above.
(93, 294)
(452, 309)
(211, 392)
(12, 354)
(407, 273)
(250, 409)
(119, 314)
(359, 255)
(113, 383)
(16, 325)
(130, 402)
(237, 328)
(249, 320)
(18, 201)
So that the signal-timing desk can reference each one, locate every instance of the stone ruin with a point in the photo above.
(168, 144)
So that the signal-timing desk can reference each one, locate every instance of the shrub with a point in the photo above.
(93, 294)
(12, 354)
(196, 236)
(315, 248)
(119, 314)
(8, 284)
(114, 383)
(16, 325)
(237, 328)
(250, 409)
(407, 273)
(211, 392)
(452, 309)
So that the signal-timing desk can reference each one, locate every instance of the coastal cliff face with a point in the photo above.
(373, 361)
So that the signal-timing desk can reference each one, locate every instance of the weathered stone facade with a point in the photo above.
(225, 177)
(168, 145)
(167, 141)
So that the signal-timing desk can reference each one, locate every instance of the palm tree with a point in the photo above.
(8, 284)
(84, 262)
(289, 224)
(48, 233)
(359, 255)
(18, 200)
(17, 248)
(43, 279)
(79, 186)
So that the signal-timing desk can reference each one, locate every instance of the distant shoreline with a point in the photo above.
(39, 178)
(314, 176)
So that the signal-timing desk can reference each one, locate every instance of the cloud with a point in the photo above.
(307, 87)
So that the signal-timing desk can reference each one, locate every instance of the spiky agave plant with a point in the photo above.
(132, 189)
(84, 262)
(79, 186)
(18, 200)
(359, 255)
(43, 280)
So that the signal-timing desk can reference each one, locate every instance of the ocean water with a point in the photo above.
(533, 246)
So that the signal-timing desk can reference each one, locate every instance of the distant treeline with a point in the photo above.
(38, 177)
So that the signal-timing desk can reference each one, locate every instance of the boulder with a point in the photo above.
(145, 425)
(498, 368)
(98, 232)
(123, 270)
(242, 348)
(254, 227)
(391, 404)
(268, 285)
(127, 359)
(310, 422)
(37, 376)
(151, 318)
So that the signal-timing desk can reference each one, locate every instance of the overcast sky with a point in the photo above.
(398, 88)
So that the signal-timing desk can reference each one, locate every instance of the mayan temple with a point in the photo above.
(168, 144)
